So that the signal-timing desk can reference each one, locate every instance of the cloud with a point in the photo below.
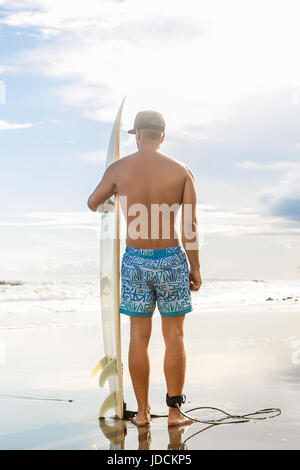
(6, 69)
(212, 220)
(8, 126)
(64, 268)
(273, 166)
(64, 220)
(287, 207)
(68, 267)
(281, 199)
(185, 62)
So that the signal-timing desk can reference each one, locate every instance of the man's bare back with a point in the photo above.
(150, 179)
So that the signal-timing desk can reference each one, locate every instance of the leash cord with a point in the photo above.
(245, 418)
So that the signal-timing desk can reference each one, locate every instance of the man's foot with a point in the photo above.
(142, 418)
(176, 418)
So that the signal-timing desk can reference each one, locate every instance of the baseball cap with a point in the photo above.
(148, 120)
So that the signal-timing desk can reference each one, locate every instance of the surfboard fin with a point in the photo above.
(109, 403)
(109, 369)
(98, 368)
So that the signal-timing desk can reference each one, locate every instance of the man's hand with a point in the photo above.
(195, 279)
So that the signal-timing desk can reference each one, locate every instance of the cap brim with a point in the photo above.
(132, 131)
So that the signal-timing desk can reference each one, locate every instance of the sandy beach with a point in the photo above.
(239, 359)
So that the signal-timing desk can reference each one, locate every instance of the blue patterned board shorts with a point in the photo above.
(150, 276)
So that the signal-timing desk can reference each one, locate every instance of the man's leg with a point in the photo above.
(174, 363)
(139, 365)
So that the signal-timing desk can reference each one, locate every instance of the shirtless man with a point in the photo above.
(152, 186)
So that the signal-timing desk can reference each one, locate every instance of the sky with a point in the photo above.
(226, 77)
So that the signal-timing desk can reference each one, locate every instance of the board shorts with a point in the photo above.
(151, 276)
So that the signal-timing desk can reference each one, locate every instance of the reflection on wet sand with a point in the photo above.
(175, 437)
(144, 437)
(115, 431)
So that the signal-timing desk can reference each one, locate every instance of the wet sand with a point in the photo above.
(240, 362)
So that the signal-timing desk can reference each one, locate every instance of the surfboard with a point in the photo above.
(110, 366)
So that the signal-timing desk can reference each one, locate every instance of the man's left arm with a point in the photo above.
(105, 189)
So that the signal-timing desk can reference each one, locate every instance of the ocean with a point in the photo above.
(62, 304)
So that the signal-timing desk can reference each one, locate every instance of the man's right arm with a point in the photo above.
(189, 230)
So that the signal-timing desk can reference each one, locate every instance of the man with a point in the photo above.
(154, 265)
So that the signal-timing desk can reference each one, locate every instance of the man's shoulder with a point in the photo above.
(180, 165)
(126, 159)
(122, 161)
(176, 164)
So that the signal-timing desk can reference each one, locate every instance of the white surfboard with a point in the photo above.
(110, 367)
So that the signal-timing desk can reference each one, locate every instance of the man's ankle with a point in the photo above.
(143, 409)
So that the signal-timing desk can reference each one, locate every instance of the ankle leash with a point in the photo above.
(176, 401)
